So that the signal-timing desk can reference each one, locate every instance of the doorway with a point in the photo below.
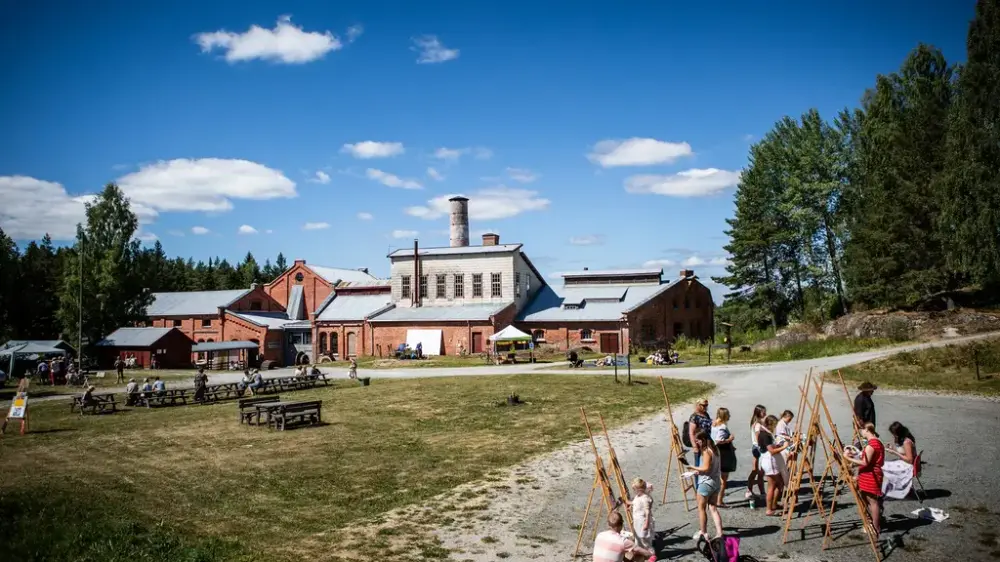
(609, 343)
(678, 330)
(477, 342)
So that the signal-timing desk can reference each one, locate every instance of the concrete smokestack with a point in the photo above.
(459, 221)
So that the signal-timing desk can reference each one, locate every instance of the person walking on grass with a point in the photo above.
(723, 439)
(612, 546)
(699, 421)
(756, 476)
(200, 384)
(120, 369)
(709, 485)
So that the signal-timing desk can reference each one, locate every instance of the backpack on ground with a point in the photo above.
(725, 549)
(686, 436)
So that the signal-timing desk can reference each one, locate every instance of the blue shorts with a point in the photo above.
(707, 487)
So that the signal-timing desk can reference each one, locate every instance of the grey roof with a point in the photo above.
(296, 304)
(193, 303)
(612, 273)
(471, 312)
(223, 346)
(39, 344)
(461, 250)
(333, 275)
(271, 320)
(346, 306)
(593, 302)
(134, 337)
(27, 347)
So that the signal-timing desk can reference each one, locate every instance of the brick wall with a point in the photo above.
(341, 333)
(565, 336)
(456, 335)
(261, 298)
(193, 327)
(686, 309)
(315, 289)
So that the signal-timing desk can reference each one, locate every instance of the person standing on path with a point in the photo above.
(756, 475)
(200, 384)
(870, 461)
(611, 546)
(864, 407)
(120, 369)
(723, 440)
(353, 373)
(699, 421)
(709, 486)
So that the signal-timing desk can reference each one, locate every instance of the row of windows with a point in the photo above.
(458, 285)
(586, 334)
(205, 323)
(687, 303)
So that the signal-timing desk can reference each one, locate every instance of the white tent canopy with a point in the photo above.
(509, 334)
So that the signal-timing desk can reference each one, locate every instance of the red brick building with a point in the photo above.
(170, 347)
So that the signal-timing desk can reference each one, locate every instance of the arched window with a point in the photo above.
(209, 340)
(586, 334)
(322, 342)
(538, 335)
(299, 277)
(334, 343)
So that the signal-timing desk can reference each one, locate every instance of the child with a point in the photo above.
(353, 373)
(642, 514)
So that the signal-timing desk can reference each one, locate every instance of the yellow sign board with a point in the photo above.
(19, 409)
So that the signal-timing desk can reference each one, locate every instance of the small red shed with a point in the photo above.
(170, 346)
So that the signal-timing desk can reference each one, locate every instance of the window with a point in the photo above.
(334, 347)
(177, 323)
(459, 288)
(423, 286)
(209, 340)
(687, 302)
(477, 285)
(586, 335)
(538, 335)
(441, 292)
(299, 277)
(517, 283)
(206, 322)
(495, 291)
(404, 283)
(255, 305)
(322, 342)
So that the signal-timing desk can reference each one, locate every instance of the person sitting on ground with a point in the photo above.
(131, 392)
(299, 372)
(870, 461)
(159, 387)
(898, 474)
(573, 358)
(772, 464)
(710, 470)
(675, 357)
(200, 384)
(612, 546)
(258, 382)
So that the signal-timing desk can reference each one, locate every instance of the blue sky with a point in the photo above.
(600, 134)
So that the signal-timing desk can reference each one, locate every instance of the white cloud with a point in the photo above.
(246, 229)
(693, 261)
(689, 183)
(659, 263)
(587, 240)
(392, 180)
(286, 43)
(32, 208)
(404, 234)
(199, 230)
(354, 32)
(366, 150)
(430, 50)
(637, 152)
(434, 174)
(316, 225)
(365, 216)
(498, 202)
(522, 175)
(204, 184)
(453, 154)
(320, 177)
(146, 236)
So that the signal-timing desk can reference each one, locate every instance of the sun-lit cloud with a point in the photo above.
(365, 216)
(491, 203)
(398, 234)
(392, 180)
(366, 150)
(689, 183)
(286, 43)
(320, 177)
(637, 152)
(246, 229)
(522, 175)
(316, 226)
(430, 50)
(199, 230)
(587, 240)
(434, 174)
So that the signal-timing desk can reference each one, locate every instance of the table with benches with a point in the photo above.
(280, 415)
(249, 413)
(169, 397)
(98, 403)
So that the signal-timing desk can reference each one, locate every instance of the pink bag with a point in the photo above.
(733, 549)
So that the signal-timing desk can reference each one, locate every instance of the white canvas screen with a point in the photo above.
(429, 339)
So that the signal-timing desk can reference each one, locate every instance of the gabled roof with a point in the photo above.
(270, 320)
(613, 273)
(296, 303)
(465, 313)
(588, 303)
(193, 303)
(38, 344)
(456, 251)
(135, 337)
(334, 275)
(347, 306)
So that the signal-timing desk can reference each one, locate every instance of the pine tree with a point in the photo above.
(280, 265)
(9, 279)
(248, 272)
(38, 292)
(970, 219)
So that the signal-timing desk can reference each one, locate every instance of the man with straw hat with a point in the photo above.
(864, 408)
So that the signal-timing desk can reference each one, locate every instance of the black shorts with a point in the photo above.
(756, 452)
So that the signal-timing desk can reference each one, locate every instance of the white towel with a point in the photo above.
(931, 514)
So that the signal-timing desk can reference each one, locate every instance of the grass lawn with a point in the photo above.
(109, 381)
(191, 483)
(948, 368)
(695, 355)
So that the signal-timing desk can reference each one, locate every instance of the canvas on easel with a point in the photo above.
(602, 484)
(18, 408)
(677, 454)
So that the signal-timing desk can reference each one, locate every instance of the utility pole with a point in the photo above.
(79, 333)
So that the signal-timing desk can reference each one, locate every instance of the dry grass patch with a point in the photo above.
(191, 483)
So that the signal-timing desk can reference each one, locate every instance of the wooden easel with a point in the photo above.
(18, 408)
(846, 476)
(618, 475)
(602, 483)
(855, 423)
(677, 453)
(805, 463)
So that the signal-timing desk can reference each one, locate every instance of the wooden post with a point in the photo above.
(975, 359)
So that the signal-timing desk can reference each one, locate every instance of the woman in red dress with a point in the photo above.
(870, 472)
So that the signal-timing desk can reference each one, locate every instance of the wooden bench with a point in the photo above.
(98, 403)
(249, 412)
(169, 397)
(282, 414)
(226, 391)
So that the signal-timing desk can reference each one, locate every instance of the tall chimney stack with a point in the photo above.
(459, 221)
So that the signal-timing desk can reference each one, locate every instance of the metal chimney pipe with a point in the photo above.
(459, 221)
(415, 288)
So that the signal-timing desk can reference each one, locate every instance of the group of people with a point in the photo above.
(57, 371)
(662, 357)
(134, 390)
(772, 443)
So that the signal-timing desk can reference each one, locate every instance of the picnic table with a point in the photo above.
(225, 391)
(98, 403)
(248, 410)
(169, 397)
(281, 414)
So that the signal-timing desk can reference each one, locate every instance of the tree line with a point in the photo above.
(40, 285)
(884, 206)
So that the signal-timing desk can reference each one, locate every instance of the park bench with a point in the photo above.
(283, 414)
(169, 397)
(225, 391)
(320, 378)
(98, 403)
(249, 412)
